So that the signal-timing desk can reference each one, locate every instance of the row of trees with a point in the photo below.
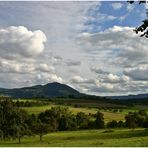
(29, 103)
(16, 123)
(132, 120)
(137, 119)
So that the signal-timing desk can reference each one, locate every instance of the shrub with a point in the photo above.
(112, 124)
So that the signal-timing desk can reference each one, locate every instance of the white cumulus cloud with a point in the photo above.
(18, 41)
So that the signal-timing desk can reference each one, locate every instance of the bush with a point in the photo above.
(121, 124)
(112, 124)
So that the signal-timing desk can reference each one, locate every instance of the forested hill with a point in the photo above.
(53, 90)
(49, 90)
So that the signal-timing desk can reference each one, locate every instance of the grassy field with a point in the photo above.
(87, 106)
(117, 137)
(91, 138)
(108, 116)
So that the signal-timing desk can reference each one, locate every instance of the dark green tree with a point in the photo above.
(145, 123)
(12, 121)
(59, 118)
(67, 122)
(144, 27)
(121, 124)
(131, 121)
(82, 120)
(112, 124)
(40, 128)
(99, 121)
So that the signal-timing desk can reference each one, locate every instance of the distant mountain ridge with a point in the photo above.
(55, 89)
(49, 90)
(138, 96)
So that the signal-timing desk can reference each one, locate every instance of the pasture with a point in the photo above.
(108, 115)
(103, 137)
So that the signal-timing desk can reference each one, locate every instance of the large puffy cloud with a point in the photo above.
(122, 60)
(18, 41)
(112, 86)
(119, 43)
(22, 58)
(112, 78)
(110, 50)
(139, 73)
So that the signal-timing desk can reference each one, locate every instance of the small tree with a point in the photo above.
(82, 120)
(130, 121)
(40, 129)
(99, 121)
(67, 122)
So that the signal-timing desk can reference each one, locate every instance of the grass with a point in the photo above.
(37, 109)
(108, 116)
(115, 137)
(25, 100)
(91, 138)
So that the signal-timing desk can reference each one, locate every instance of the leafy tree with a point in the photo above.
(67, 122)
(99, 121)
(59, 118)
(144, 27)
(136, 119)
(40, 128)
(82, 120)
(131, 120)
(12, 121)
(112, 124)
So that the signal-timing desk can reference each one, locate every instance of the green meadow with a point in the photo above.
(108, 115)
(111, 137)
(103, 138)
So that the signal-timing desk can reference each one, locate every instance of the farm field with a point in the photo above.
(103, 137)
(108, 116)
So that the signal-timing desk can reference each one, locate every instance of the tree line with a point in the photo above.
(16, 123)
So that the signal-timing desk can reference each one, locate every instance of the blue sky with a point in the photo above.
(130, 14)
(90, 46)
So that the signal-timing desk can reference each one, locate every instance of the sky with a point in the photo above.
(90, 46)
